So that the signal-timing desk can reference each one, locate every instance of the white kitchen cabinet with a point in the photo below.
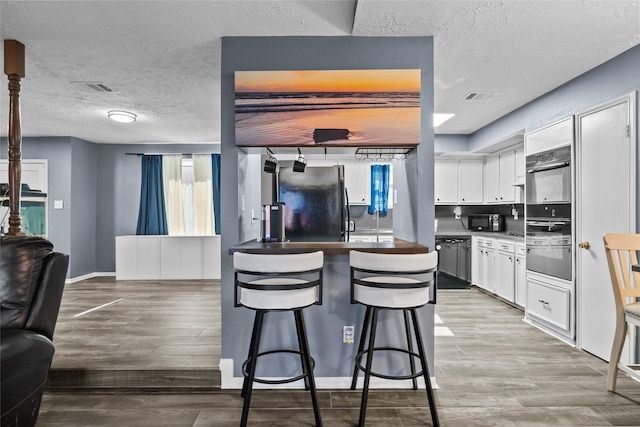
(549, 304)
(520, 166)
(500, 176)
(507, 177)
(446, 181)
(489, 266)
(357, 179)
(483, 263)
(458, 181)
(167, 257)
(492, 179)
(470, 181)
(505, 270)
(521, 280)
(477, 261)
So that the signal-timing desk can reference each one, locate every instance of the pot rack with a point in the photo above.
(382, 154)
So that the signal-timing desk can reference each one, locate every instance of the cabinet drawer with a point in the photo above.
(506, 246)
(521, 250)
(489, 243)
(549, 303)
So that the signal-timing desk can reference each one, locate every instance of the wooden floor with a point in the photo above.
(150, 359)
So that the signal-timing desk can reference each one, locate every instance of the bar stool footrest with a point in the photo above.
(385, 376)
(282, 381)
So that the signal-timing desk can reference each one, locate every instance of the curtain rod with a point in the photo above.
(165, 154)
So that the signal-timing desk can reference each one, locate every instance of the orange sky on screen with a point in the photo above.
(328, 81)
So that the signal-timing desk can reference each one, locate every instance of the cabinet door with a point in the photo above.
(489, 270)
(507, 177)
(357, 179)
(505, 275)
(446, 181)
(520, 166)
(470, 181)
(481, 261)
(521, 283)
(492, 180)
(448, 258)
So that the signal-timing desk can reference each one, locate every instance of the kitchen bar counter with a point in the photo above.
(334, 358)
(398, 246)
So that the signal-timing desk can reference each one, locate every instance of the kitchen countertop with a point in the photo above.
(398, 246)
(500, 235)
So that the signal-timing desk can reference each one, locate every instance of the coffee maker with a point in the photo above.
(272, 223)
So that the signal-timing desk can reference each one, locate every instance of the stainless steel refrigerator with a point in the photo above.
(316, 204)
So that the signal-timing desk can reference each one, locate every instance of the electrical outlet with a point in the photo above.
(347, 334)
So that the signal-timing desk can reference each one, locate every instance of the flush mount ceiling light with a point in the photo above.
(122, 116)
(440, 118)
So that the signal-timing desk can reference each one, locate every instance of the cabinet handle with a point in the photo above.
(543, 302)
(510, 259)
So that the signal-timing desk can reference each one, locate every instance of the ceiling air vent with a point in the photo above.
(94, 86)
(479, 96)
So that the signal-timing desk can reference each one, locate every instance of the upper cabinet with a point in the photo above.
(470, 181)
(357, 179)
(500, 178)
(458, 181)
(446, 181)
(520, 166)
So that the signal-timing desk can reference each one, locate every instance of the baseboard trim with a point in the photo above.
(90, 276)
(228, 381)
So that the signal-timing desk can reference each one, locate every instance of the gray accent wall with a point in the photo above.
(241, 169)
(100, 187)
(82, 207)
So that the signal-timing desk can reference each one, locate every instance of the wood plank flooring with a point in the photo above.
(492, 369)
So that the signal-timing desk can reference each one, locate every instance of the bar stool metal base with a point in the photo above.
(369, 327)
(249, 366)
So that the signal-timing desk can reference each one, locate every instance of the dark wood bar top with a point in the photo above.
(398, 246)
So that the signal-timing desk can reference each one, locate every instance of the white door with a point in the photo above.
(605, 153)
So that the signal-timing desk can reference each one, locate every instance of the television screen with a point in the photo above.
(360, 108)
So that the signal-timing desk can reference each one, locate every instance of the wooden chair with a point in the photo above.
(622, 252)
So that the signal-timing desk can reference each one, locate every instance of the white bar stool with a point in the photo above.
(392, 282)
(288, 282)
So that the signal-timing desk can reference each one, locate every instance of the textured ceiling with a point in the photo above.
(162, 58)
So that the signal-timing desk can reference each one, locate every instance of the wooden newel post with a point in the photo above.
(14, 69)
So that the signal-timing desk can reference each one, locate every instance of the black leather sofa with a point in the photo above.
(32, 279)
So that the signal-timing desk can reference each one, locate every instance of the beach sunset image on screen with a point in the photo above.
(327, 108)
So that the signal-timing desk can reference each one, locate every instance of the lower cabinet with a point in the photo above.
(498, 266)
(521, 275)
(550, 305)
(505, 285)
(167, 257)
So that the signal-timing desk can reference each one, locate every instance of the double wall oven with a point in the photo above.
(549, 218)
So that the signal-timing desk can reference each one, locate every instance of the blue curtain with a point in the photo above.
(215, 165)
(152, 216)
(379, 189)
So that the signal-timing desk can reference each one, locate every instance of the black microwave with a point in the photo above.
(486, 222)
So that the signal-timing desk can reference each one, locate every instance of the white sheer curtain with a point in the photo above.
(172, 177)
(203, 195)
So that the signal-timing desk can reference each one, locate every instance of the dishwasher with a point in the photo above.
(454, 265)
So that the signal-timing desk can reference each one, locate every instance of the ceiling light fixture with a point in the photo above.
(122, 116)
(271, 164)
(440, 118)
(300, 163)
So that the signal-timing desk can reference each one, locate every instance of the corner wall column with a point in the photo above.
(14, 69)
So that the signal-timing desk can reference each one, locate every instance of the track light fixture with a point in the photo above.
(271, 164)
(300, 163)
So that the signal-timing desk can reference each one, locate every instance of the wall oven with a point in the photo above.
(548, 213)
(549, 246)
(548, 177)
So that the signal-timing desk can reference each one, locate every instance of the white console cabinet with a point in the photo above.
(167, 257)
